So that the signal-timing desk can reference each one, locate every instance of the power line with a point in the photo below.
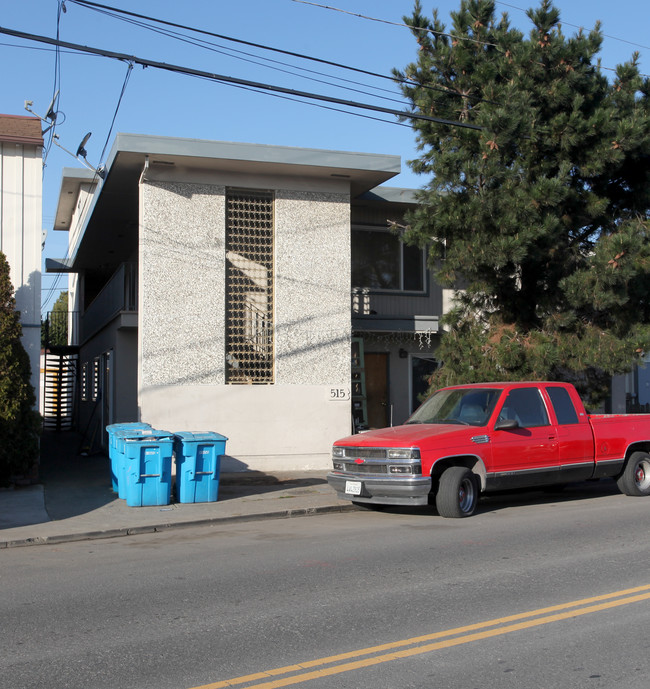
(576, 26)
(406, 26)
(454, 36)
(235, 80)
(95, 5)
(325, 107)
(55, 286)
(237, 54)
(56, 86)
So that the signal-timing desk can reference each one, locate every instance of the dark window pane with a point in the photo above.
(421, 370)
(413, 273)
(375, 260)
(564, 409)
(526, 406)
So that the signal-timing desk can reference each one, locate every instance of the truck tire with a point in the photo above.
(457, 494)
(635, 479)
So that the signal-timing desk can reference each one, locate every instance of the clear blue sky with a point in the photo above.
(161, 103)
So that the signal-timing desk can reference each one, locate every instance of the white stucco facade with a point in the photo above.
(182, 383)
(159, 217)
(21, 193)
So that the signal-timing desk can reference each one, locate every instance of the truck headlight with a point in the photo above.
(338, 452)
(338, 466)
(404, 453)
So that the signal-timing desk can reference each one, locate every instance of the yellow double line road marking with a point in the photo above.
(421, 644)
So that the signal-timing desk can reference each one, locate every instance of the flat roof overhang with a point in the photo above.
(363, 170)
(115, 203)
(72, 179)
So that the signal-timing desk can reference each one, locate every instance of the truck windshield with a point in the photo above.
(470, 407)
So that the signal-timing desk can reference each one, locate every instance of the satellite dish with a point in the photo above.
(81, 151)
(50, 113)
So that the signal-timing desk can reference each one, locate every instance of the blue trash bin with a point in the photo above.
(112, 430)
(148, 467)
(198, 461)
(120, 438)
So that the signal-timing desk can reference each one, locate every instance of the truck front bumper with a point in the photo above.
(379, 490)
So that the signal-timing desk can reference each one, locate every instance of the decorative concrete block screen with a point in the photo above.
(249, 286)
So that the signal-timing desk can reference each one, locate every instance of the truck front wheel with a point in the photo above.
(457, 493)
(635, 479)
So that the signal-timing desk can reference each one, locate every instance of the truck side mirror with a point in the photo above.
(506, 425)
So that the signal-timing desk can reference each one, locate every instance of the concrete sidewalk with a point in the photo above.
(74, 500)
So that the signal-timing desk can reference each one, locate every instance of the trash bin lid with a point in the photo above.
(125, 426)
(199, 436)
(144, 434)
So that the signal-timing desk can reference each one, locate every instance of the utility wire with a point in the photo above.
(234, 80)
(581, 28)
(55, 86)
(453, 36)
(250, 57)
(90, 5)
(324, 107)
(52, 133)
(258, 60)
(54, 287)
(406, 26)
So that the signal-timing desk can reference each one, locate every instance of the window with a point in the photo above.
(422, 367)
(84, 382)
(381, 261)
(466, 406)
(564, 409)
(249, 286)
(525, 405)
(95, 393)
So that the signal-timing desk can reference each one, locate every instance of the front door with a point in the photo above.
(527, 455)
(377, 389)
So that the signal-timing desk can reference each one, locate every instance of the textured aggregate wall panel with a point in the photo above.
(312, 288)
(182, 263)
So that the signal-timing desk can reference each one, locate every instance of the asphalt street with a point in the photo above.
(537, 591)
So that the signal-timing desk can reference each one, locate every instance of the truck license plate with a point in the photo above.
(353, 487)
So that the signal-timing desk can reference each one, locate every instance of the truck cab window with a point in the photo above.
(563, 406)
(526, 406)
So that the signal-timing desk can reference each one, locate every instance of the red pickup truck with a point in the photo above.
(472, 439)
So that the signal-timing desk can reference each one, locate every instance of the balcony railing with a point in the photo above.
(60, 329)
(119, 294)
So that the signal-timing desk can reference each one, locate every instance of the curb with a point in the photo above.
(169, 526)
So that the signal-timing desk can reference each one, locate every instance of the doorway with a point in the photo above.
(377, 389)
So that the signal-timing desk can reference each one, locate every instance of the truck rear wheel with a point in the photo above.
(457, 494)
(635, 479)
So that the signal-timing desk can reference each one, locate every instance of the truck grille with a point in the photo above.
(365, 453)
(365, 468)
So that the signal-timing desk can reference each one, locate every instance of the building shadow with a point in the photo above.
(76, 482)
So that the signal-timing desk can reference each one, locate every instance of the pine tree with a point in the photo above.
(538, 208)
(58, 327)
(19, 423)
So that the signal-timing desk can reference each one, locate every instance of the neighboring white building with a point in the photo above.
(21, 200)
(214, 287)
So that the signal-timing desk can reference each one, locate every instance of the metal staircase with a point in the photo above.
(60, 371)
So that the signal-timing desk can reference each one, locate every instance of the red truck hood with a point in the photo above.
(420, 435)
